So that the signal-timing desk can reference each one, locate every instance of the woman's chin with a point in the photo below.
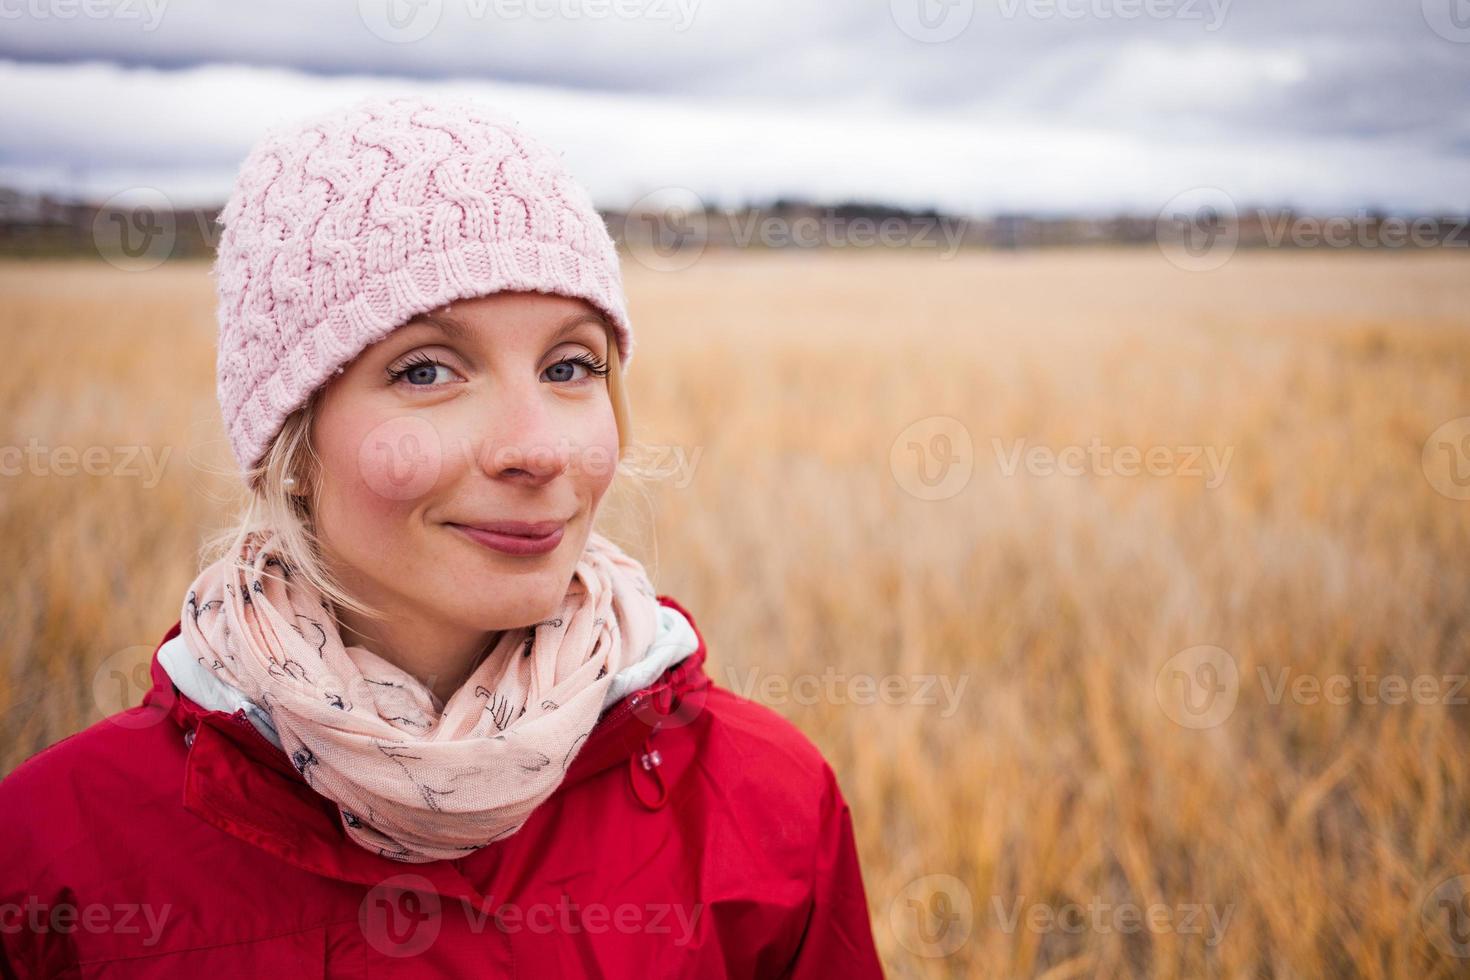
(521, 607)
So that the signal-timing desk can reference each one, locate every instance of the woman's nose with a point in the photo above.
(526, 446)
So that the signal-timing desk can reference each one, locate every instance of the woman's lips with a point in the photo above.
(514, 544)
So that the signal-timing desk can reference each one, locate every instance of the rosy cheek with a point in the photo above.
(601, 455)
(399, 459)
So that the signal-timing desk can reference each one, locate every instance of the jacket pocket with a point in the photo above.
(298, 954)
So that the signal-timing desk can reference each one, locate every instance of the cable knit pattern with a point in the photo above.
(342, 228)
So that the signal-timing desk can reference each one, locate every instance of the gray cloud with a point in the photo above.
(1205, 86)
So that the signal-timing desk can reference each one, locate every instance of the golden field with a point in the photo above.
(1125, 723)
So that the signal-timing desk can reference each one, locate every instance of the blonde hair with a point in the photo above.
(272, 508)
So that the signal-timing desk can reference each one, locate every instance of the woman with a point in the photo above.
(417, 716)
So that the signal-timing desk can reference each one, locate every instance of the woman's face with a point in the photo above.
(487, 411)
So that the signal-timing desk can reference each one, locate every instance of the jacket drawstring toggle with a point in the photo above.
(649, 761)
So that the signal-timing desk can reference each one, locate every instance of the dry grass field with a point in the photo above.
(1127, 602)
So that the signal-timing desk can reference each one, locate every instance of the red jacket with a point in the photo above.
(696, 834)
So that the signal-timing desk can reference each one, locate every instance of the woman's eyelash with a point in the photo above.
(596, 366)
(417, 359)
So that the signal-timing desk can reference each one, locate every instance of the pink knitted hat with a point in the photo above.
(342, 228)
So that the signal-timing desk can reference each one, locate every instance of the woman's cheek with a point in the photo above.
(400, 459)
(601, 456)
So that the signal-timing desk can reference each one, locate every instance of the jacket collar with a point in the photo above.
(241, 783)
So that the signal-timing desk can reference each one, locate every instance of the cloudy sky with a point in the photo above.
(975, 106)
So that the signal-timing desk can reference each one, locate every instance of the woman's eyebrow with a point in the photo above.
(448, 325)
(571, 323)
(458, 330)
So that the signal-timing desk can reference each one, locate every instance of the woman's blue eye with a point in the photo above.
(563, 371)
(424, 371)
(420, 373)
(566, 370)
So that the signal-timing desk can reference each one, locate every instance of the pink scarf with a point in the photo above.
(413, 782)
